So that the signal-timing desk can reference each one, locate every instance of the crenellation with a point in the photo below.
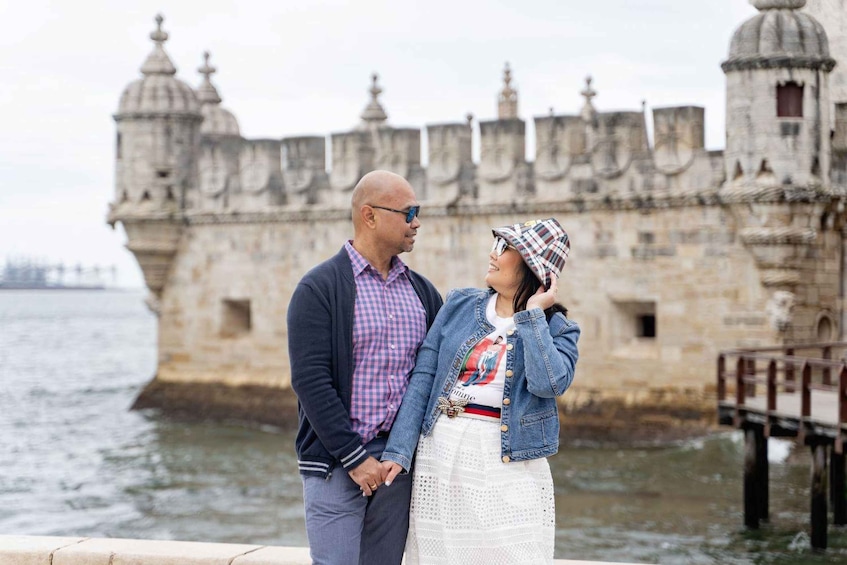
(304, 176)
(450, 164)
(502, 159)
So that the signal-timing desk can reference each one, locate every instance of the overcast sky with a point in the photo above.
(303, 67)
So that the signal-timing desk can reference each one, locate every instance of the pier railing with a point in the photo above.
(800, 391)
(779, 383)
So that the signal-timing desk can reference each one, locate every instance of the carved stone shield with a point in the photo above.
(501, 142)
(349, 153)
(558, 140)
(678, 133)
(255, 170)
(449, 147)
(213, 172)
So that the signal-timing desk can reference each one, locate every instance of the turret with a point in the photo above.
(778, 152)
(158, 135)
(777, 94)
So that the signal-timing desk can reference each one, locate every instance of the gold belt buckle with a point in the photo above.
(451, 407)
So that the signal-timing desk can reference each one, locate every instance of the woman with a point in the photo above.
(481, 409)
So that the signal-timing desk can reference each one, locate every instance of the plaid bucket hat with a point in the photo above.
(543, 244)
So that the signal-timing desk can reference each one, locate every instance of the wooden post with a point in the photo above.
(789, 371)
(836, 488)
(827, 372)
(806, 392)
(751, 372)
(762, 481)
(771, 405)
(721, 378)
(739, 390)
(819, 525)
(751, 489)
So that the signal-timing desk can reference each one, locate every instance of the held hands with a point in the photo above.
(544, 299)
(369, 475)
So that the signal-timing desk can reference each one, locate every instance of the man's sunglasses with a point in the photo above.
(500, 245)
(410, 214)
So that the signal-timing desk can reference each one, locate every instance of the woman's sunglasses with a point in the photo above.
(500, 245)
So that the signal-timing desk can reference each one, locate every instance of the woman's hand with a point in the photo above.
(391, 470)
(544, 299)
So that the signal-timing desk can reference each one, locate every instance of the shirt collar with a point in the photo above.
(360, 264)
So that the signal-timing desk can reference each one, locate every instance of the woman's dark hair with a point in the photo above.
(528, 286)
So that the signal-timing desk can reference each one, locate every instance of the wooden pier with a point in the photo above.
(797, 391)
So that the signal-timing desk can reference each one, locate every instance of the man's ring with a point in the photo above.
(372, 487)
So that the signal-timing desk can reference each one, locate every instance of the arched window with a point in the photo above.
(789, 100)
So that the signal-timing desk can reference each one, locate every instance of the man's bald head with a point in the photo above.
(378, 187)
(374, 185)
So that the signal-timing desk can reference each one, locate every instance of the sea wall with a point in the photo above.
(40, 550)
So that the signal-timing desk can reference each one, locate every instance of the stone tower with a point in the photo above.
(158, 135)
(777, 97)
(777, 157)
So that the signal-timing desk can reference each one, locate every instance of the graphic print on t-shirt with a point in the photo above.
(482, 362)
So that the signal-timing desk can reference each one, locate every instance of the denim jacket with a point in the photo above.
(540, 363)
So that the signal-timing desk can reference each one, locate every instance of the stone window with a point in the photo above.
(646, 325)
(789, 100)
(236, 318)
(632, 330)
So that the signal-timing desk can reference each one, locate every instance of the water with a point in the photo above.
(75, 461)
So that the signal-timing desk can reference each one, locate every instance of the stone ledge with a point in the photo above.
(42, 550)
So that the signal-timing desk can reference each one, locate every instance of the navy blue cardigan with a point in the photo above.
(320, 349)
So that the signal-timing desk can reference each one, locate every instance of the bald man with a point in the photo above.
(355, 323)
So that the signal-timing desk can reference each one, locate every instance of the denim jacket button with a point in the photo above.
(509, 372)
(510, 347)
(505, 459)
(504, 428)
(506, 402)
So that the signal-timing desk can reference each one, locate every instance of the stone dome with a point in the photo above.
(779, 36)
(216, 119)
(159, 91)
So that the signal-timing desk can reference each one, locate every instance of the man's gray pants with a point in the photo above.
(346, 528)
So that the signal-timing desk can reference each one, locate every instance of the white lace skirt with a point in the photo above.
(470, 508)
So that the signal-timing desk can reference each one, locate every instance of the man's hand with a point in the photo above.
(369, 475)
(391, 470)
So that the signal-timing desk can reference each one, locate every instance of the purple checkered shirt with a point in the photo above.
(389, 325)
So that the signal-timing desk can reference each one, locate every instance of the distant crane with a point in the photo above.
(28, 273)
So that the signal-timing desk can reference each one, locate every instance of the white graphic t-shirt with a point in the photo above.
(483, 374)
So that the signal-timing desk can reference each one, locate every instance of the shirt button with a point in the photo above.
(509, 347)
(509, 373)
(506, 402)
(391, 406)
(504, 428)
(391, 316)
(505, 459)
(391, 346)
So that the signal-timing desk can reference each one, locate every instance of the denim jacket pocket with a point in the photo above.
(543, 425)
